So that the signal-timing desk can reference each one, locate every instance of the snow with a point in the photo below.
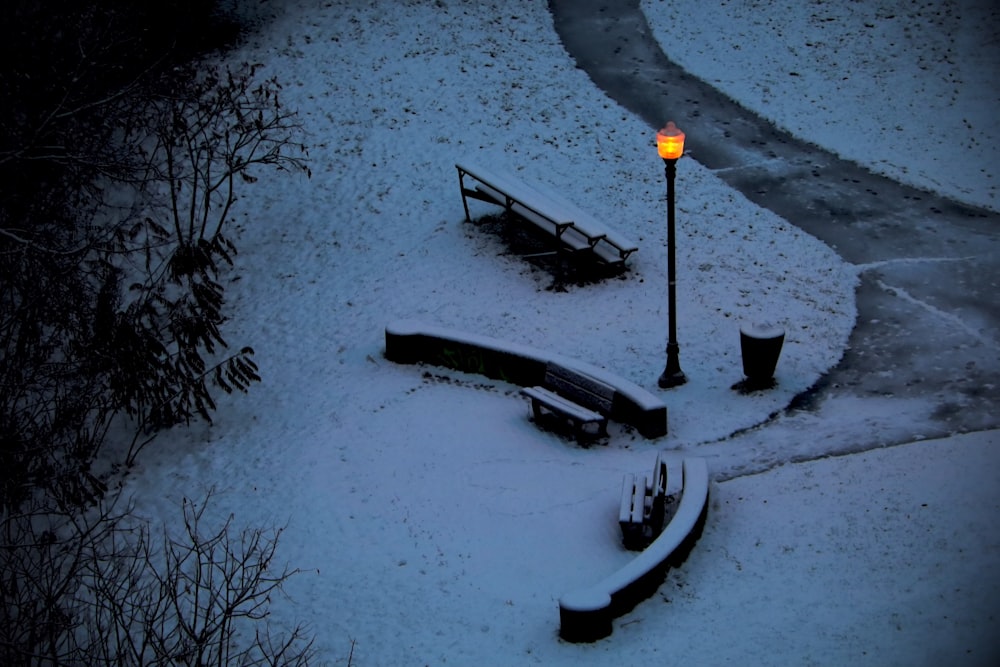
(908, 90)
(433, 522)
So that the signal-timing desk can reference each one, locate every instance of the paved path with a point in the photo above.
(926, 342)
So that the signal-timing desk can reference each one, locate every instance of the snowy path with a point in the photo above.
(926, 341)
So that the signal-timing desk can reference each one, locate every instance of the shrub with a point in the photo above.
(95, 589)
(120, 162)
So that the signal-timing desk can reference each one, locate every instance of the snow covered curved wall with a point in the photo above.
(409, 342)
(586, 615)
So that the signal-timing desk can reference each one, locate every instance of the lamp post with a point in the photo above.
(670, 145)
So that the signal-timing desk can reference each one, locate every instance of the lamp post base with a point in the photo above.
(672, 375)
(668, 380)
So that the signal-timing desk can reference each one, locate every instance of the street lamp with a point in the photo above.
(670, 145)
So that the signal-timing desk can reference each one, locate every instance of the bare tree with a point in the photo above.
(219, 134)
(94, 589)
(126, 317)
(117, 181)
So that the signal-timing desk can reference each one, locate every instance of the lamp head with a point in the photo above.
(670, 142)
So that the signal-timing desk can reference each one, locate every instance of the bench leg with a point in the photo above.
(632, 537)
(465, 202)
(584, 434)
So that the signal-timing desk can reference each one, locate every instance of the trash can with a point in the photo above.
(760, 345)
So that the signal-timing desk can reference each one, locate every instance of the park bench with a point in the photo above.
(580, 399)
(586, 614)
(575, 229)
(643, 506)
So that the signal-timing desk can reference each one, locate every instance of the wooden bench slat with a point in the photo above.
(650, 494)
(631, 510)
(639, 500)
(563, 405)
(628, 493)
(620, 242)
(526, 195)
(580, 387)
(608, 254)
(592, 384)
(549, 210)
(587, 223)
(495, 195)
(562, 230)
(618, 245)
(658, 495)
(574, 395)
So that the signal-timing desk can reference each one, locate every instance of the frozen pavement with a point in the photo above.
(925, 347)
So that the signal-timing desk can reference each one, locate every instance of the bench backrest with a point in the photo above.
(659, 492)
(580, 388)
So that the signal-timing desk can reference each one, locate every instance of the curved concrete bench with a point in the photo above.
(586, 615)
(409, 342)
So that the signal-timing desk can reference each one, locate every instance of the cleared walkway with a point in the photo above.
(927, 342)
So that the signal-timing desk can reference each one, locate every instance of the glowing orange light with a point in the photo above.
(670, 142)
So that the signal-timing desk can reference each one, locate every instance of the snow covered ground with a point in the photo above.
(433, 522)
(909, 90)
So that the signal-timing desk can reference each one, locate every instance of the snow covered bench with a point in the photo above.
(643, 506)
(411, 342)
(579, 398)
(586, 615)
(545, 208)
